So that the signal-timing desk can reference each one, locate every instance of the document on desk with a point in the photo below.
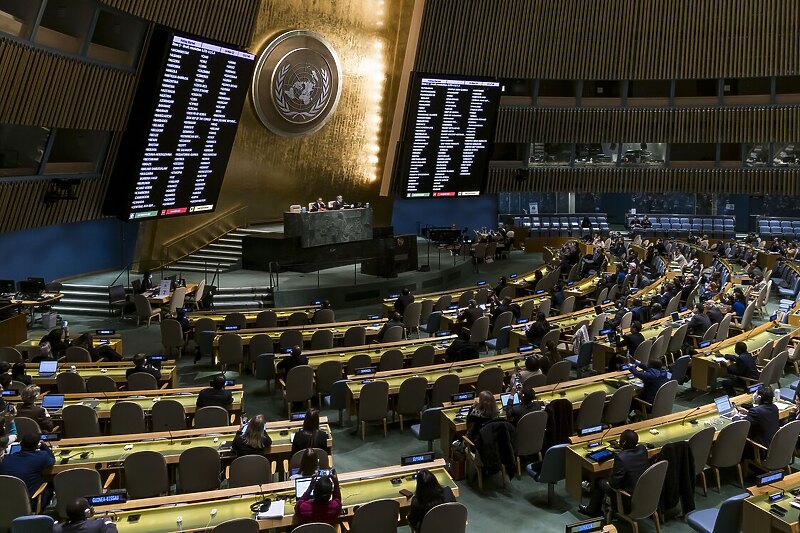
(719, 359)
(275, 510)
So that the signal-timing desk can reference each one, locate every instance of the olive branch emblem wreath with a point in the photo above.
(283, 105)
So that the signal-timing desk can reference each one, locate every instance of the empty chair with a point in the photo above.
(411, 316)
(568, 305)
(198, 469)
(591, 411)
(146, 475)
(298, 318)
(642, 352)
(780, 453)
(443, 389)
(536, 380)
(724, 327)
(172, 338)
(443, 302)
(299, 386)
(663, 401)
(377, 516)
(168, 415)
(290, 338)
(423, 356)
(76, 354)
(501, 340)
(553, 468)
(529, 438)
(490, 379)
(582, 360)
(625, 321)
(480, 331)
(680, 369)
(645, 497)
(726, 519)
(328, 373)
(127, 418)
(432, 323)
(619, 406)
(526, 310)
(411, 398)
(100, 384)
(354, 336)
(16, 501)
(26, 425)
(237, 525)
(265, 367)
(339, 398)
(465, 297)
(211, 416)
(360, 360)
(322, 339)
(373, 404)
(429, 427)
(427, 309)
(728, 448)
(558, 372)
(259, 344)
(700, 443)
(177, 300)
(249, 470)
(267, 319)
(142, 381)
(37, 523)
(75, 483)
(390, 360)
(393, 334)
(324, 316)
(449, 517)
(144, 311)
(235, 319)
(70, 383)
(10, 355)
(80, 421)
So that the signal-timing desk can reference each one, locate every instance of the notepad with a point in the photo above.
(275, 510)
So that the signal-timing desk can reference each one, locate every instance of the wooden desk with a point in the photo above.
(283, 314)
(756, 516)
(705, 368)
(46, 298)
(565, 323)
(115, 371)
(357, 488)
(109, 453)
(153, 298)
(450, 316)
(670, 428)
(30, 347)
(454, 425)
(13, 330)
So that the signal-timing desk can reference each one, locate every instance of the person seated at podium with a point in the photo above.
(339, 203)
(215, 395)
(319, 205)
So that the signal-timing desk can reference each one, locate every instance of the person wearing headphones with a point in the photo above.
(80, 518)
(215, 395)
(322, 501)
(763, 417)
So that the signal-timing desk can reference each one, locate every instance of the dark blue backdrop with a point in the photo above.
(471, 212)
(67, 249)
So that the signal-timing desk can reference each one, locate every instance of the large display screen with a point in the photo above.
(449, 132)
(174, 153)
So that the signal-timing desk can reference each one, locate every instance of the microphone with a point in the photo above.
(683, 420)
(166, 428)
(600, 442)
(562, 393)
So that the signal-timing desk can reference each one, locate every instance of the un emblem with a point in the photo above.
(296, 84)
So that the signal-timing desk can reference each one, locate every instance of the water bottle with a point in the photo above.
(65, 329)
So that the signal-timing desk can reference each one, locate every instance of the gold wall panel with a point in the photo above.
(267, 173)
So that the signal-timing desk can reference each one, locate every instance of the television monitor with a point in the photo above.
(448, 135)
(30, 287)
(185, 113)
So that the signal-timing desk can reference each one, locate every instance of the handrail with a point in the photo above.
(207, 230)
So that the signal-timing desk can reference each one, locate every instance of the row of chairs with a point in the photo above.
(74, 383)
(562, 225)
(787, 228)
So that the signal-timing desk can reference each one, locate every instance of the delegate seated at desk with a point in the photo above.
(339, 203)
(741, 365)
(319, 205)
(140, 365)
(215, 395)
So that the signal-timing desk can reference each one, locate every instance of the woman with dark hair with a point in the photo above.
(252, 439)
(18, 373)
(101, 353)
(322, 502)
(309, 464)
(310, 436)
(428, 495)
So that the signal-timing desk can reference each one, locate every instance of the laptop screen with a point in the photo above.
(48, 367)
(723, 404)
(301, 485)
(53, 401)
(676, 317)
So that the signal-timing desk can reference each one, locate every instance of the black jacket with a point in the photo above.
(559, 422)
(402, 302)
(461, 350)
(679, 481)
(148, 369)
(764, 423)
(629, 465)
(211, 396)
(699, 324)
(470, 315)
(303, 440)
(92, 525)
(240, 447)
(418, 509)
(744, 366)
(496, 446)
(714, 315)
(537, 330)
(516, 412)
(631, 341)
(290, 362)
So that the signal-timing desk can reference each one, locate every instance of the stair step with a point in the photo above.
(239, 305)
(215, 248)
(83, 301)
(83, 287)
(87, 294)
(209, 257)
(244, 290)
(80, 310)
(230, 240)
(194, 263)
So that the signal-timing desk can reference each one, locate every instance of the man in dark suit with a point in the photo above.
(713, 313)
(528, 405)
(538, 329)
(296, 358)
(630, 341)
(470, 315)
(319, 205)
(741, 365)
(653, 375)
(461, 349)
(80, 519)
(140, 365)
(403, 301)
(215, 394)
(395, 320)
(629, 465)
(339, 203)
(502, 307)
(763, 417)
(699, 322)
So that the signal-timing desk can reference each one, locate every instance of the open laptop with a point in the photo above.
(52, 403)
(301, 485)
(48, 369)
(724, 407)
